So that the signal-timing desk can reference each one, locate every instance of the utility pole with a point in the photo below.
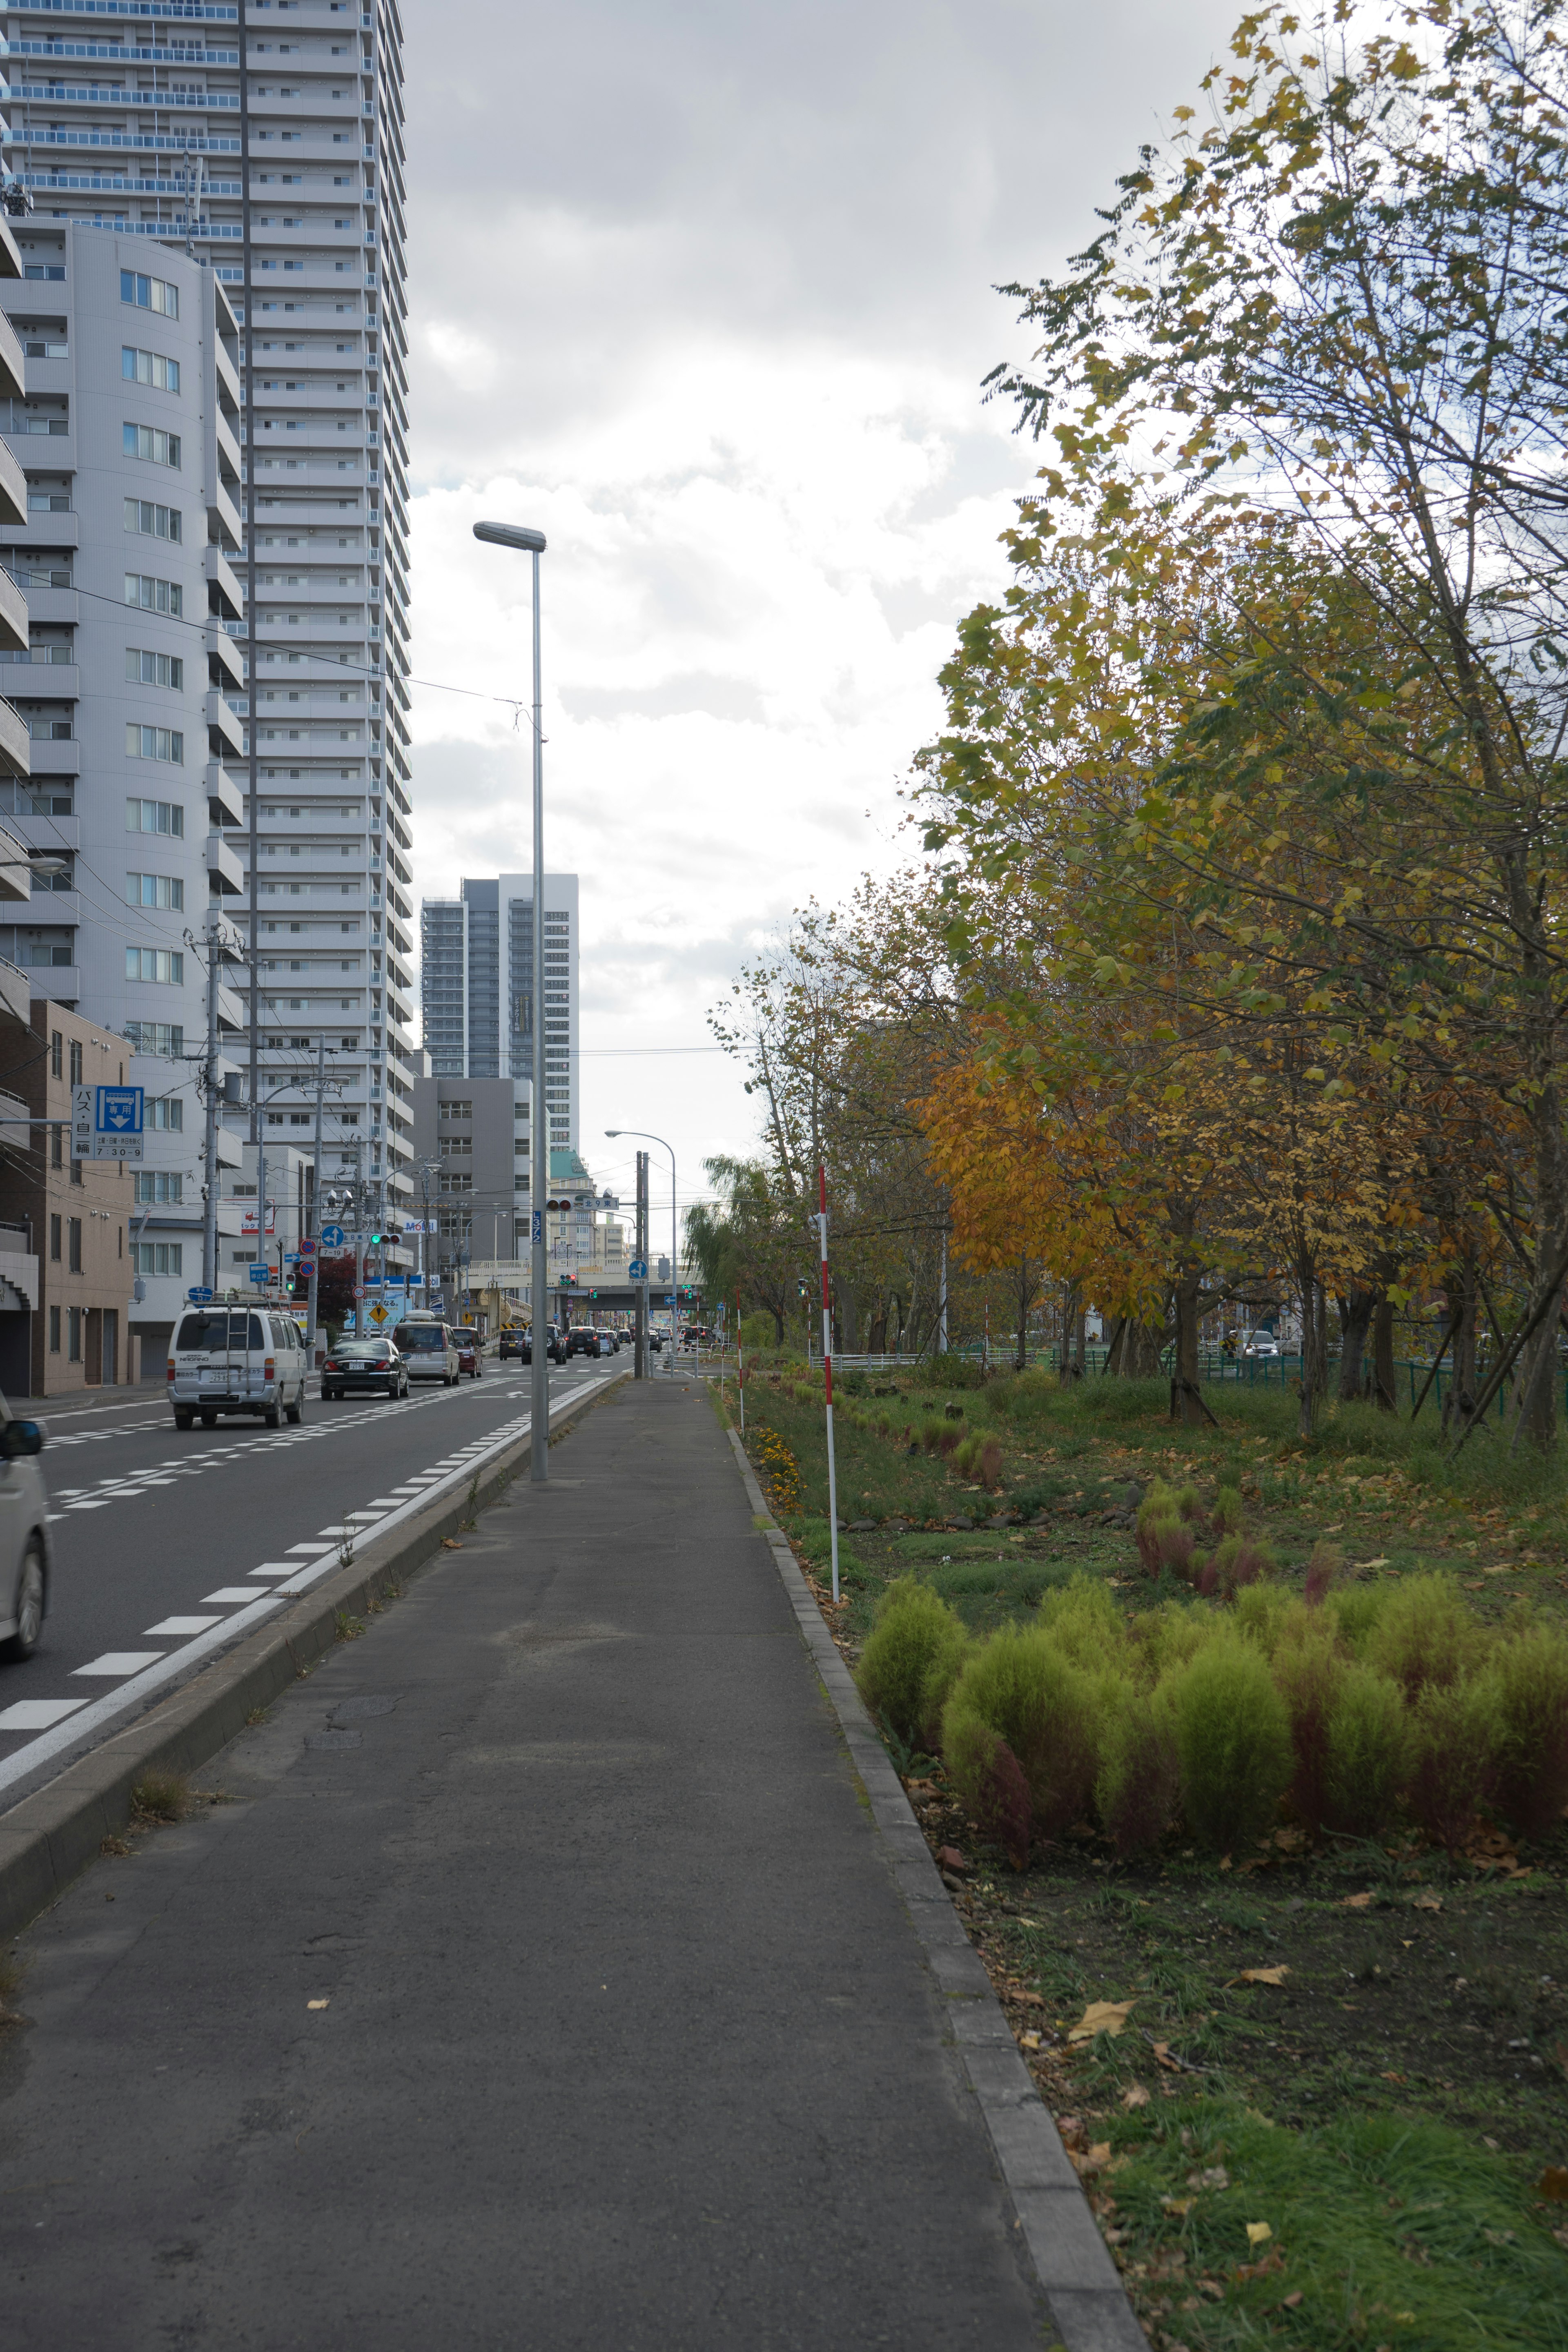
(314, 1220)
(639, 1250)
(247, 385)
(209, 1210)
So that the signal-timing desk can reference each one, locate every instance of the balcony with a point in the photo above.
(15, 744)
(13, 365)
(54, 681)
(52, 759)
(42, 529)
(13, 486)
(10, 259)
(51, 837)
(223, 515)
(13, 615)
(16, 874)
(222, 649)
(223, 869)
(59, 984)
(224, 731)
(226, 802)
(61, 606)
(220, 575)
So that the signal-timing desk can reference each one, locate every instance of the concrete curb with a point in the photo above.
(1071, 2259)
(49, 1838)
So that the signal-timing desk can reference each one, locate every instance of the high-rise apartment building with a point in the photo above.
(128, 117)
(477, 987)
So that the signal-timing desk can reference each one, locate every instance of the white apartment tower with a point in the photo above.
(476, 983)
(127, 116)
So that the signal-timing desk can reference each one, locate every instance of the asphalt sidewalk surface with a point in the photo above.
(543, 1984)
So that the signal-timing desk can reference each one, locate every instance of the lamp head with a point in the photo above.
(511, 534)
(611, 1130)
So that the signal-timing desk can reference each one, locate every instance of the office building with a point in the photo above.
(144, 142)
(472, 1138)
(128, 434)
(477, 987)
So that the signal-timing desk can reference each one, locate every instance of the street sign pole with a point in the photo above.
(313, 1220)
(639, 1226)
(827, 1374)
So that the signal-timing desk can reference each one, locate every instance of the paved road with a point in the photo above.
(170, 1544)
(543, 1985)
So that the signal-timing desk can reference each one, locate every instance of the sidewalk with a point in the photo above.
(627, 2041)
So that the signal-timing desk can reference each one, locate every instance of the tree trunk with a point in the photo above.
(778, 1326)
(1314, 1351)
(1186, 1404)
(1063, 1351)
(1461, 1295)
(1355, 1315)
(1383, 1357)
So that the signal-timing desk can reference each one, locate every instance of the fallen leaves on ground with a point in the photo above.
(1427, 1902)
(1262, 1976)
(1135, 2095)
(1553, 2184)
(1259, 2233)
(319, 2004)
(1355, 1902)
(1101, 2017)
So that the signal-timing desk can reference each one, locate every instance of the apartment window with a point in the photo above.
(150, 367)
(57, 1147)
(150, 293)
(153, 521)
(155, 890)
(54, 1330)
(56, 1054)
(155, 596)
(74, 1327)
(166, 1037)
(456, 1111)
(75, 1061)
(74, 1244)
(158, 1257)
(155, 743)
(75, 1171)
(152, 443)
(168, 1114)
(154, 669)
(160, 1187)
(164, 965)
(56, 1231)
(155, 816)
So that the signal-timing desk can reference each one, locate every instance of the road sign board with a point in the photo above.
(331, 1236)
(199, 1297)
(260, 1273)
(378, 1313)
(539, 1224)
(106, 1122)
(637, 1270)
(307, 1247)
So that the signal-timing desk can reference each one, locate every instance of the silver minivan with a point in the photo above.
(237, 1359)
(25, 1560)
(429, 1348)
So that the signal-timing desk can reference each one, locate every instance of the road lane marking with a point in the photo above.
(224, 1595)
(37, 1714)
(121, 1661)
(187, 1625)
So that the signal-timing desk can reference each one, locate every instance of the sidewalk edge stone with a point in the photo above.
(49, 1838)
(1071, 2261)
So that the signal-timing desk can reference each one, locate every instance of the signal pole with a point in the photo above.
(639, 1250)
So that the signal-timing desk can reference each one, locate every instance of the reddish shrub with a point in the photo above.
(1147, 1539)
(1323, 1571)
(990, 1464)
(1456, 1759)
(1003, 1805)
(1309, 1675)
(1177, 1543)
(1135, 1790)
(947, 1443)
(1208, 1578)
(1531, 1678)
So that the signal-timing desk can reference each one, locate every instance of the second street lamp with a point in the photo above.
(532, 543)
(674, 1232)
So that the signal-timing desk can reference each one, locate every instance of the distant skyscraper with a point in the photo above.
(476, 986)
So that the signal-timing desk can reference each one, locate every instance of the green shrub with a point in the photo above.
(1233, 1738)
(984, 1768)
(1425, 1635)
(1308, 1673)
(1259, 1611)
(1157, 1514)
(1456, 1735)
(1136, 1788)
(912, 1660)
(1367, 1755)
(1325, 1570)
(1228, 1514)
(1530, 1674)
(1026, 1689)
(1172, 1636)
(1083, 1620)
(1356, 1611)
(1187, 1503)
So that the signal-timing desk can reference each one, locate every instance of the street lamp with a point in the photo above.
(532, 543)
(674, 1232)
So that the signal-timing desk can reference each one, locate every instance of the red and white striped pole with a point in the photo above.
(828, 1375)
(739, 1368)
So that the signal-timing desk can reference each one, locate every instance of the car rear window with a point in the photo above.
(220, 1331)
(378, 1348)
(421, 1335)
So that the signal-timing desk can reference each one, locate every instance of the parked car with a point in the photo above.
(369, 1365)
(26, 1561)
(1261, 1343)
(582, 1340)
(237, 1359)
(470, 1353)
(429, 1348)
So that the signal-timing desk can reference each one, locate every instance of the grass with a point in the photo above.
(161, 1795)
(1388, 2109)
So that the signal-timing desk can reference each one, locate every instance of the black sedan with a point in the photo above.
(373, 1365)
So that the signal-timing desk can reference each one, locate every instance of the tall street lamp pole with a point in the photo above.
(532, 543)
(674, 1231)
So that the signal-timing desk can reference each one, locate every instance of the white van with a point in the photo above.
(429, 1348)
(237, 1359)
(25, 1558)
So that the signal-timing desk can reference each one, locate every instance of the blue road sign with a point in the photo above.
(539, 1224)
(118, 1111)
(637, 1270)
(331, 1236)
(260, 1273)
(292, 1257)
(199, 1298)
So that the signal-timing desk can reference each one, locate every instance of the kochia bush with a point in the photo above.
(1368, 1753)
(911, 1661)
(1233, 1738)
(1023, 1689)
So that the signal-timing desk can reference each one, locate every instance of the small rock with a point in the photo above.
(861, 1526)
(842, 1527)
(947, 1857)
(964, 1524)
(953, 1885)
(1041, 1519)
(1132, 1495)
(896, 1527)
(1004, 1519)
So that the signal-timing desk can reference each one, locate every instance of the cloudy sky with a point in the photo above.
(704, 289)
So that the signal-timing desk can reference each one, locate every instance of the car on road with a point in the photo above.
(554, 1346)
(25, 1555)
(513, 1341)
(368, 1365)
(470, 1353)
(1261, 1343)
(656, 1340)
(429, 1348)
(582, 1340)
(237, 1359)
